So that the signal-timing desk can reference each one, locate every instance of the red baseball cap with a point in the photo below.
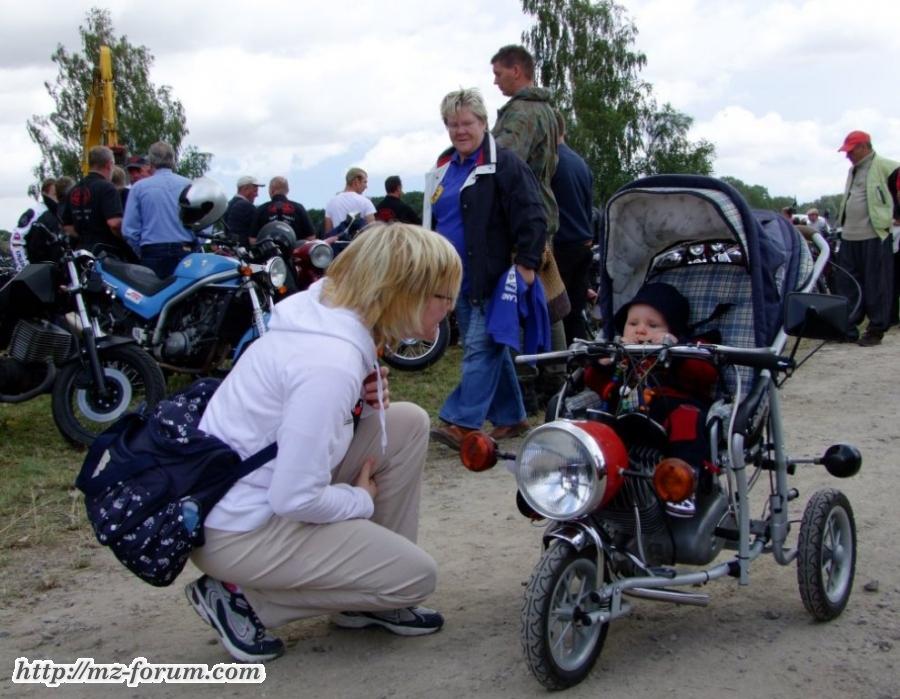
(854, 138)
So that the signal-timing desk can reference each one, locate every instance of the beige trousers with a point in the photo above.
(290, 570)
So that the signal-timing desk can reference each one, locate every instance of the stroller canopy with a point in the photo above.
(653, 216)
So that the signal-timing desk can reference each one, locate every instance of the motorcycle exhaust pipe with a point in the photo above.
(695, 599)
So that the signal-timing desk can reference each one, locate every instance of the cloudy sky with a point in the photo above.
(307, 89)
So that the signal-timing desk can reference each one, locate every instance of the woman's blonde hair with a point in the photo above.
(389, 273)
(464, 98)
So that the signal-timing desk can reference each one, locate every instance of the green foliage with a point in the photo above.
(317, 216)
(666, 148)
(585, 57)
(829, 204)
(757, 196)
(146, 114)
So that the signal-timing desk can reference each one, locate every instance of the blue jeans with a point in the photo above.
(488, 388)
(163, 258)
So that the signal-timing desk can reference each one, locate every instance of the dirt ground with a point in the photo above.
(755, 641)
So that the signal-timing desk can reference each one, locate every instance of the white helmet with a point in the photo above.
(202, 203)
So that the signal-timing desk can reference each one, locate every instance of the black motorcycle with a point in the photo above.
(51, 342)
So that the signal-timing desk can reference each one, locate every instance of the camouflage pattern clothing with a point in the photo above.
(527, 126)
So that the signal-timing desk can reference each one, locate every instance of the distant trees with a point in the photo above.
(145, 113)
(585, 57)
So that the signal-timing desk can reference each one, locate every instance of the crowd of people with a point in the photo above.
(329, 526)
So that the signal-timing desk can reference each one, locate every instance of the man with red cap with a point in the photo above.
(867, 211)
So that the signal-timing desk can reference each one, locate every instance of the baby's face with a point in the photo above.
(644, 324)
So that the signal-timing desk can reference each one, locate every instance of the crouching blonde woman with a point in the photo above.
(330, 524)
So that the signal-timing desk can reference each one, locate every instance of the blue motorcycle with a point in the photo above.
(209, 310)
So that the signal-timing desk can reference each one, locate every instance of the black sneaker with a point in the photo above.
(409, 621)
(870, 338)
(232, 617)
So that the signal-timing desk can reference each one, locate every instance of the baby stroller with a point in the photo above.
(600, 478)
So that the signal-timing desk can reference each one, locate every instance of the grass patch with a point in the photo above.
(429, 387)
(38, 501)
(39, 505)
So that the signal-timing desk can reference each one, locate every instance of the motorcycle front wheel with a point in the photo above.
(560, 647)
(81, 413)
(414, 355)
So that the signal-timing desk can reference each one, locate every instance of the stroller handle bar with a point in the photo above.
(757, 358)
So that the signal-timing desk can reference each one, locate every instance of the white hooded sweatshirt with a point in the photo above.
(297, 385)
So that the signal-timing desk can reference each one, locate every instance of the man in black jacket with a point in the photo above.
(93, 213)
(240, 216)
(392, 207)
(280, 208)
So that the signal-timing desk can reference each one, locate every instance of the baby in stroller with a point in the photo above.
(676, 397)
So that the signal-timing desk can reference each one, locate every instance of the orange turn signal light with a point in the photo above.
(673, 480)
(477, 451)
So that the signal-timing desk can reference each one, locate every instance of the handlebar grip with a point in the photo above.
(544, 358)
(758, 360)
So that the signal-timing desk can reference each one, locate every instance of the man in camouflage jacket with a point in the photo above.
(527, 123)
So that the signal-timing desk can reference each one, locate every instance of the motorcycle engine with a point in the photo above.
(636, 511)
(196, 329)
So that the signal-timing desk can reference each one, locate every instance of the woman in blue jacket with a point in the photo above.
(486, 201)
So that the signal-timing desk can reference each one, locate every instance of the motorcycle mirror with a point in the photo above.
(478, 452)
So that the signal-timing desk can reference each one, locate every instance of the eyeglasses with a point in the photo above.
(457, 125)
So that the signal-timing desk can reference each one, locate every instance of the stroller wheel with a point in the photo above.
(826, 554)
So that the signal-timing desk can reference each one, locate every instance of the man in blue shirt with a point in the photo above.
(573, 186)
(151, 225)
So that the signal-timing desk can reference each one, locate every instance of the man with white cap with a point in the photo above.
(867, 211)
(817, 222)
(240, 216)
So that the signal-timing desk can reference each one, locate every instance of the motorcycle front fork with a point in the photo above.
(90, 331)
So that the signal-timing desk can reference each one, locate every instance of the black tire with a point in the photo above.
(826, 554)
(132, 377)
(415, 355)
(560, 652)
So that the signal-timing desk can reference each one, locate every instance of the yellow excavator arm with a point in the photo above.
(100, 127)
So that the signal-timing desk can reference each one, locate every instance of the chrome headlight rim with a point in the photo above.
(276, 271)
(596, 469)
(321, 255)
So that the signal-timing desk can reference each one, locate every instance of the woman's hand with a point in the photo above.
(370, 388)
(366, 478)
(527, 274)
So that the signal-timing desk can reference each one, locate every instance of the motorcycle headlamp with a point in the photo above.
(321, 255)
(276, 269)
(566, 469)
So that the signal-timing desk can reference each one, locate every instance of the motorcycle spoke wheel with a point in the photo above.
(826, 554)
(81, 413)
(560, 648)
(413, 355)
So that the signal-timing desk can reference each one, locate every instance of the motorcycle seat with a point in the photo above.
(141, 278)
